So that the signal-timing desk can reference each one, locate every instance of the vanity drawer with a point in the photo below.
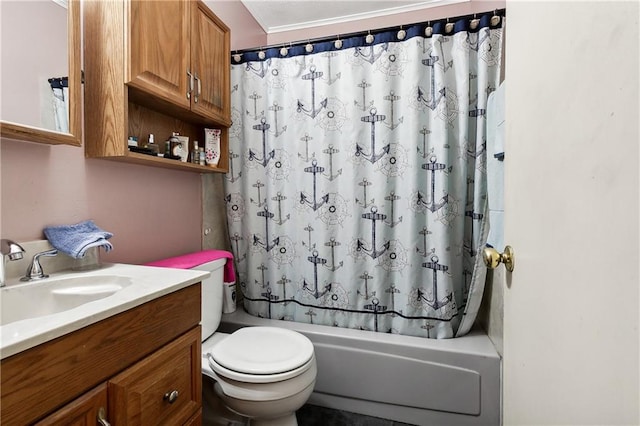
(164, 388)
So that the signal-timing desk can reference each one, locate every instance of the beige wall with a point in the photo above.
(152, 212)
(245, 31)
(431, 13)
(491, 313)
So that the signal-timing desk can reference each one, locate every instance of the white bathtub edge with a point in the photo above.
(468, 405)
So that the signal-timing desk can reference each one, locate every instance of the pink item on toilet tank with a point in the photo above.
(188, 261)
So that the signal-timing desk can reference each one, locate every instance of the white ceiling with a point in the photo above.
(278, 15)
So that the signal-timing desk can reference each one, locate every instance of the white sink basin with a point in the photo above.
(50, 296)
(37, 312)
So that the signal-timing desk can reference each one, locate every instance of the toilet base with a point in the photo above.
(288, 420)
(214, 412)
(280, 412)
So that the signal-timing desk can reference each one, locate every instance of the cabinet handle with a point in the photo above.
(190, 80)
(199, 90)
(102, 417)
(171, 396)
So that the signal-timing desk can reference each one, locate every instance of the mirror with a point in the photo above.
(40, 41)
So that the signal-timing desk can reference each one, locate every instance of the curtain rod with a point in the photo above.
(496, 12)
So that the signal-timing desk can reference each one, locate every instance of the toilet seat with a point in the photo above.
(270, 389)
(261, 355)
(255, 378)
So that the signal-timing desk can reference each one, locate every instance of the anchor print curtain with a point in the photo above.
(356, 193)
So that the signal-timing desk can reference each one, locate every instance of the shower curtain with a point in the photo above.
(356, 193)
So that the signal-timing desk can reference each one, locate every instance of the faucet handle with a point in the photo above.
(34, 271)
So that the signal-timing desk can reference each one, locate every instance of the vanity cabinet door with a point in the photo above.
(211, 64)
(158, 43)
(196, 420)
(83, 411)
(163, 389)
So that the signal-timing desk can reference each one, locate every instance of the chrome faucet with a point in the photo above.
(10, 251)
(34, 271)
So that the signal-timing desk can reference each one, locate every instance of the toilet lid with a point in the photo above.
(263, 350)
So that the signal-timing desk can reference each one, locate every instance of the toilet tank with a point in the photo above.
(212, 261)
(212, 291)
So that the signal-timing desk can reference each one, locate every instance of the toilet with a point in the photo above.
(262, 374)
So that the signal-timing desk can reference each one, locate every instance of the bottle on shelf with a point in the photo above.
(212, 146)
(201, 156)
(151, 145)
(195, 154)
(176, 145)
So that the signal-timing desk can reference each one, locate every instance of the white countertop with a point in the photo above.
(148, 283)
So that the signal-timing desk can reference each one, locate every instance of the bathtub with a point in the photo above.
(403, 378)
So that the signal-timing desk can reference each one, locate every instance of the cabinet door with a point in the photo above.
(83, 411)
(163, 389)
(196, 420)
(158, 48)
(211, 64)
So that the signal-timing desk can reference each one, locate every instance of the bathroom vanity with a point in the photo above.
(134, 359)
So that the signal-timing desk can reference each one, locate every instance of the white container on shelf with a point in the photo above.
(212, 146)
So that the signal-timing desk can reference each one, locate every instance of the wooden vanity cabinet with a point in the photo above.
(155, 67)
(164, 388)
(84, 411)
(140, 367)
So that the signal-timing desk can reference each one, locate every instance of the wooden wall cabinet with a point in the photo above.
(155, 67)
(211, 64)
(179, 51)
(128, 366)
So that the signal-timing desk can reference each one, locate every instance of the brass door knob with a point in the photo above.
(492, 258)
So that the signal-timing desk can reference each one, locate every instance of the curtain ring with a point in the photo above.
(309, 47)
(473, 24)
(237, 57)
(261, 54)
(369, 38)
(428, 31)
(495, 19)
(401, 34)
(338, 43)
(284, 51)
(448, 26)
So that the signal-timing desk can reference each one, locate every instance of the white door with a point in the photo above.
(571, 305)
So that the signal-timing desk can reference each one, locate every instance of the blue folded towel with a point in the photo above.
(75, 240)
